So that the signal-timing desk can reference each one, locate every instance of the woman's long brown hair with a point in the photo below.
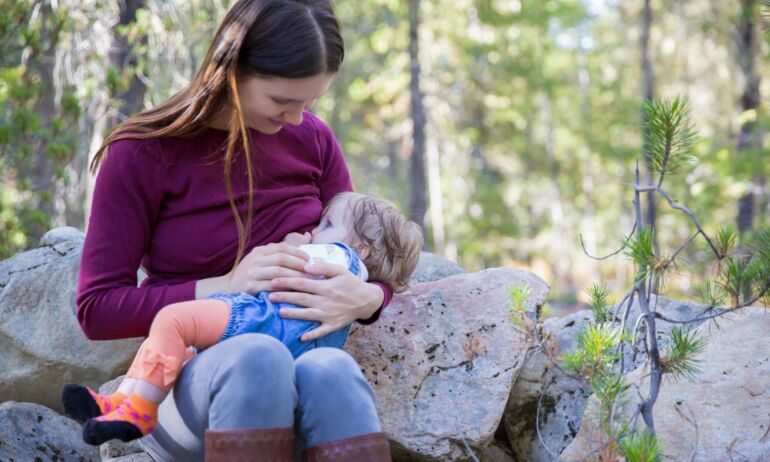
(269, 38)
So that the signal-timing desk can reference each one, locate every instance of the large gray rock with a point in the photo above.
(720, 415)
(33, 432)
(139, 457)
(497, 452)
(564, 398)
(671, 308)
(431, 267)
(442, 359)
(61, 235)
(41, 344)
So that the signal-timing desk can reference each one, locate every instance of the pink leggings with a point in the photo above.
(197, 323)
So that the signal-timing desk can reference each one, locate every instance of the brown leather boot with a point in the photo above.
(372, 447)
(250, 445)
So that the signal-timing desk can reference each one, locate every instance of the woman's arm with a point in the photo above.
(256, 270)
(335, 302)
(126, 203)
(128, 196)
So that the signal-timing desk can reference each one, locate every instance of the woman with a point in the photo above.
(199, 190)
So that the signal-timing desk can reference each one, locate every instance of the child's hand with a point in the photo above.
(297, 239)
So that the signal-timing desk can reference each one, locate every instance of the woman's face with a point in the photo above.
(270, 102)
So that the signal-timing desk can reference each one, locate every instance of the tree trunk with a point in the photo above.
(748, 139)
(418, 199)
(648, 94)
(42, 174)
(122, 57)
(129, 101)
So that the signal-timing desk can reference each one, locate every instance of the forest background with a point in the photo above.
(509, 128)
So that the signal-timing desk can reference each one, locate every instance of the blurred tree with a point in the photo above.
(531, 113)
(37, 122)
(648, 95)
(123, 77)
(418, 202)
(749, 140)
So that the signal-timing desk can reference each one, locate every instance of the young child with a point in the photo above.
(368, 235)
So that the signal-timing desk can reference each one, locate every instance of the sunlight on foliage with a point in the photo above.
(760, 263)
(726, 239)
(736, 278)
(710, 294)
(641, 447)
(661, 267)
(669, 135)
(595, 350)
(641, 248)
(679, 357)
(519, 296)
(598, 294)
(609, 389)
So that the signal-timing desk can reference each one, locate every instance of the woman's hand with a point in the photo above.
(335, 302)
(255, 271)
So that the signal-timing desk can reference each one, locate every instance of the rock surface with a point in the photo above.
(564, 399)
(431, 267)
(139, 457)
(442, 359)
(720, 415)
(41, 344)
(33, 432)
(61, 235)
(670, 308)
(456, 351)
(498, 451)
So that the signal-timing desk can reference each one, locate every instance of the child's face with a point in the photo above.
(336, 225)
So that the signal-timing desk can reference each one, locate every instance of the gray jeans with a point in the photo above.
(252, 381)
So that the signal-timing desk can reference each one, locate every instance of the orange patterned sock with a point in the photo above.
(82, 403)
(133, 418)
(107, 403)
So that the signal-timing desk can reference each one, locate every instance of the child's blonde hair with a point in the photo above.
(394, 242)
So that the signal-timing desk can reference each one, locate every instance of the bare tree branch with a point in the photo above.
(683, 246)
(606, 256)
(469, 451)
(656, 369)
(630, 297)
(681, 208)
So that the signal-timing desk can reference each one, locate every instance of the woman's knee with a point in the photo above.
(335, 400)
(251, 383)
(255, 356)
(326, 368)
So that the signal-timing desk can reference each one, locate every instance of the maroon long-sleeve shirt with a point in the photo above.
(162, 203)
